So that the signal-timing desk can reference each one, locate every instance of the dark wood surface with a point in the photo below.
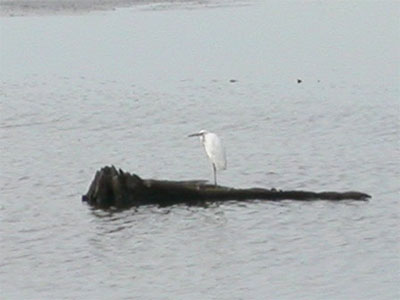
(119, 189)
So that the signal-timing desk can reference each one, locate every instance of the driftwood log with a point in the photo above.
(116, 188)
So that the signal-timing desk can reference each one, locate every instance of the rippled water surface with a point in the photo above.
(126, 88)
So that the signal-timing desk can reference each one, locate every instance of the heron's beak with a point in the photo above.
(194, 134)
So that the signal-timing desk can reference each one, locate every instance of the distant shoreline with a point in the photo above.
(19, 8)
(15, 8)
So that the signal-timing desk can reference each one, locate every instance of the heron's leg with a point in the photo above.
(215, 174)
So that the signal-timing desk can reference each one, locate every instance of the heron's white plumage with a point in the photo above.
(214, 149)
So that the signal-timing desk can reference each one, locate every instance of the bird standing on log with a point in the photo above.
(214, 149)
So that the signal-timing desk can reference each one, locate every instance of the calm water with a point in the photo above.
(126, 87)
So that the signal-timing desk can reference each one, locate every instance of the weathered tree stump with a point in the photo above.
(116, 188)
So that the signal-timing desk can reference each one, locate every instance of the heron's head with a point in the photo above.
(200, 133)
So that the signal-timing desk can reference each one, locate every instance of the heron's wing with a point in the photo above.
(215, 150)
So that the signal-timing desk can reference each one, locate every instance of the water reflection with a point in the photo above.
(88, 94)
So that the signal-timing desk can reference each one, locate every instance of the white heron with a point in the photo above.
(214, 149)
